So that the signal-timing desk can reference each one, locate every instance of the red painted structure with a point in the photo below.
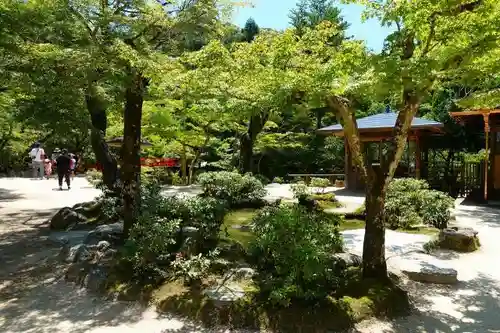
(151, 162)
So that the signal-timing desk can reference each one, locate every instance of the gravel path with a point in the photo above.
(34, 298)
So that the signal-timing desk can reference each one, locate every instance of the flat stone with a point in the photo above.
(246, 228)
(190, 231)
(73, 237)
(242, 273)
(433, 274)
(224, 295)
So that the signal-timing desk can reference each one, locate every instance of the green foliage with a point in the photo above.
(205, 213)
(250, 30)
(156, 238)
(263, 179)
(292, 250)
(193, 269)
(310, 13)
(300, 190)
(236, 189)
(278, 180)
(410, 202)
(148, 249)
(321, 183)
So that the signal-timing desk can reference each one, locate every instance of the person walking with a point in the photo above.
(72, 165)
(63, 169)
(48, 166)
(37, 166)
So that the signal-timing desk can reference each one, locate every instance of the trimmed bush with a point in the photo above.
(300, 190)
(320, 183)
(410, 202)
(158, 236)
(236, 189)
(293, 250)
(278, 180)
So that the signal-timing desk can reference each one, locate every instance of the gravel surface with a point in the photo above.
(34, 298)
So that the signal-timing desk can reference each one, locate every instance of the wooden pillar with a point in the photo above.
(487, 157)
(347, 164)
(418, 156)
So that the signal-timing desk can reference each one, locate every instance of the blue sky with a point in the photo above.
(274, 14)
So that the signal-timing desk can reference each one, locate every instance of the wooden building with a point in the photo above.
(488, 121)
(377, 129)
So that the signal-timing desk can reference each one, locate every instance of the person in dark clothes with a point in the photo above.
(63, 168)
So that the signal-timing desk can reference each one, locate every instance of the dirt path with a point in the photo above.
(473, 305)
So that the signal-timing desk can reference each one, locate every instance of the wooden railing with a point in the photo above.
(333, 177)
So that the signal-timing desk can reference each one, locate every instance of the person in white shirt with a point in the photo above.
(37, 154)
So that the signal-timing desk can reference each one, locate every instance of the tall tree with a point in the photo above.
(435, 41)
(250, 30)
(310, 13)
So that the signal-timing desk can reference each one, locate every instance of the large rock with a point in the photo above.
(66, 218)
(433, 274)
(459, 239)
(96, 279)
(345, 260)
(111, 233)
(77, 253)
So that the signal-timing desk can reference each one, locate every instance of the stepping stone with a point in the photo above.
(224, 295)
(433, 274)
(241, 227)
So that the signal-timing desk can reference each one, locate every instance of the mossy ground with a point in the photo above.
(245, 216)
(359, 300)
(356, 300)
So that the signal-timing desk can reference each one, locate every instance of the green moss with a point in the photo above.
(241, 217)
(460, 245)
(351, 225)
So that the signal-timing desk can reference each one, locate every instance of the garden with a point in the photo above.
(230, 257)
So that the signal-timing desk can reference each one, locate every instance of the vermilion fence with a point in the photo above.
(150, 162)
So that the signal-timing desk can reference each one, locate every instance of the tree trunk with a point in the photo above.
(184, 174)
(130, 152)
(374, 265)
(103, 156)
(247, 141)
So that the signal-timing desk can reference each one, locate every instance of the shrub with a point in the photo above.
(206, 214)
(148, 249)
(236, 189)
(193, 269)
(300, 190)
(156, 238)
(263, 179)
(278, 180)
(321, 183)
(94, 177)
(410, 202)
(436, 208)
(292, 250)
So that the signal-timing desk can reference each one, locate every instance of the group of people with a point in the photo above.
(63, 161)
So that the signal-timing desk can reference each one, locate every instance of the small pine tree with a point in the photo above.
(250, 30)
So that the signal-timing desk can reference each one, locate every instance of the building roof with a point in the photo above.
(383, 122)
